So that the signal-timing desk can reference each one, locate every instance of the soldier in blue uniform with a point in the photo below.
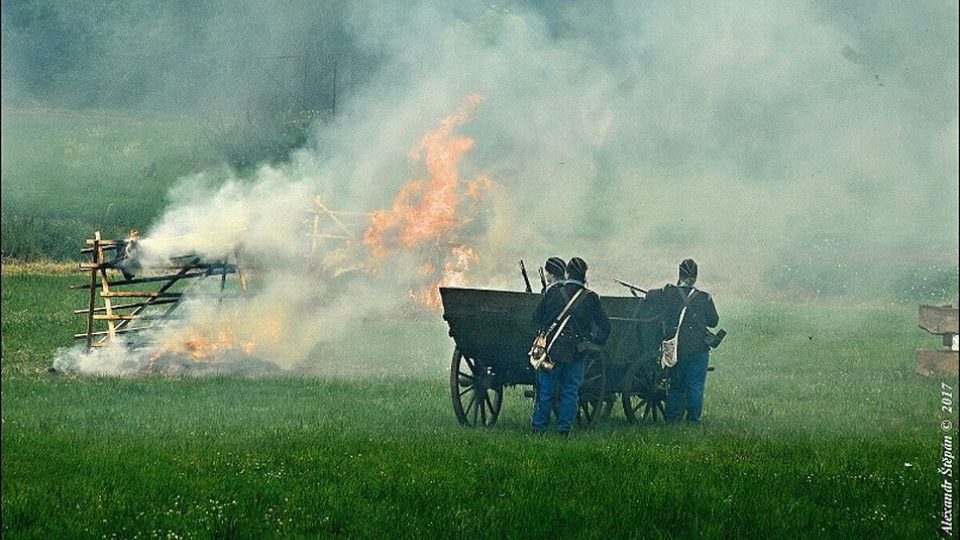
(588, 323)
(689, 376)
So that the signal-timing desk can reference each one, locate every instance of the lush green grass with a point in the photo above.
(67, 173)
(815, 425)
(37, 317)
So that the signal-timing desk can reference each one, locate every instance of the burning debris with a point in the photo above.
(119, 309)
(211, 340)
(427, 219)
(118, 317)
(429, 214)
(182, 320)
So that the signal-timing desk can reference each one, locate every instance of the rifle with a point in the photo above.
(543, 280)
(526, 280)
(633, 288)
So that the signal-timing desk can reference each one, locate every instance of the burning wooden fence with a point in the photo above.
(115, 309)
(334, 244)
(942, 321)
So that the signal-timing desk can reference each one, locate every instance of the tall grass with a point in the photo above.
(815, 426)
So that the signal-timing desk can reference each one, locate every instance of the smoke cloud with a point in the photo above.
(805, 147)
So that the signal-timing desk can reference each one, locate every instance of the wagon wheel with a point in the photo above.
(593, 390)
(644, 392)
(476, 396)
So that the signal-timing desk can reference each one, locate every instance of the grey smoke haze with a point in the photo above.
(757, 137)
(764, 115)
(764, 131)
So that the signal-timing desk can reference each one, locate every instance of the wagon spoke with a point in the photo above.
(469, 408)
(592, 390)
(465, 379)
(471, 384)
(640, 403)
(483, 409)
(473, 400)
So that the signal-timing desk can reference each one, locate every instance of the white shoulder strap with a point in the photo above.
(565, 319)
(686, 303)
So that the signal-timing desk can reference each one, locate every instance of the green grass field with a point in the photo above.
(815, 426)
(68, 173)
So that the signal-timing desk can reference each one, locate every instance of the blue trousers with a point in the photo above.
(565, 379)
(687, 381)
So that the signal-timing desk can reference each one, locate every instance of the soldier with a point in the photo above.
(555, 271)
(587, 326)
(689, 376)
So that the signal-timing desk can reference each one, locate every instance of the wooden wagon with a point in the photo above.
(492, 331)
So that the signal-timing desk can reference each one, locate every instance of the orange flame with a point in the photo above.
(203, 344)
(426, 217)
(199, 346)
(454, 274)
(426, 213)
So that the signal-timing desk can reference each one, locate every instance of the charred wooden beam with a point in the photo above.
(140, 294)
(105, 248)
(152, 279)
(163, 289)
(128, 306)
(117, 331)
(130, 317)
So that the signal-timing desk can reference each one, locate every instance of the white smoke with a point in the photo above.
(746, 135)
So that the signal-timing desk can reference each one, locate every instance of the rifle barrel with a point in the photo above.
(630, 286)
(526, 279)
